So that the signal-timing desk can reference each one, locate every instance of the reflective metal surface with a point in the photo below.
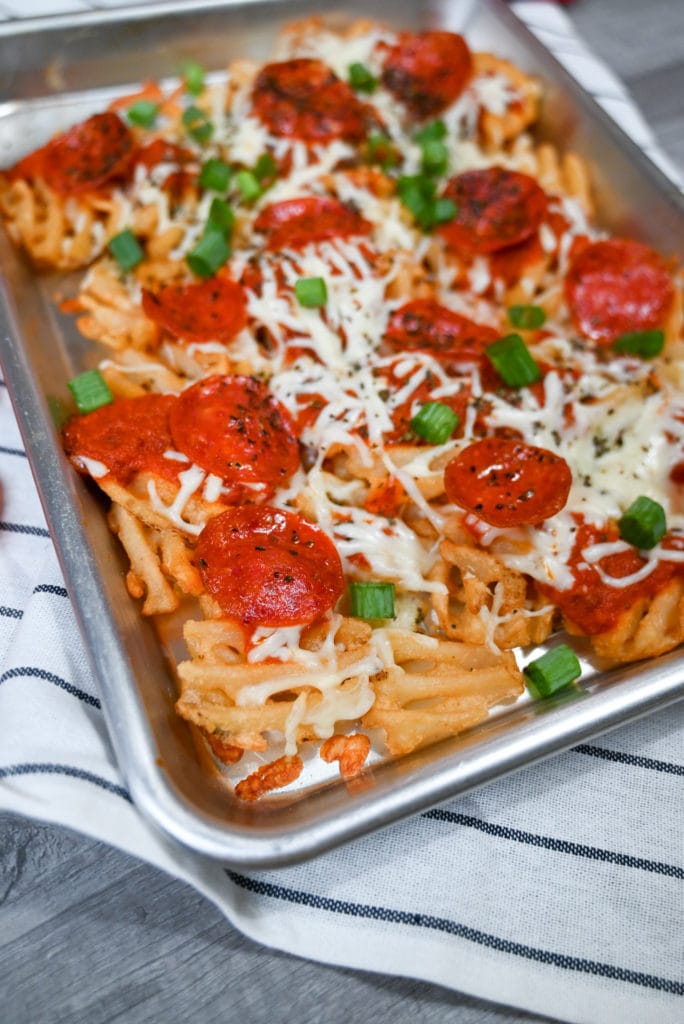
(56, 71)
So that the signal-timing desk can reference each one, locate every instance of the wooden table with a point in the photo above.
(91, 935)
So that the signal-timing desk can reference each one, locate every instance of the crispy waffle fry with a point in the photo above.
(487, 603)
(56, 232)
(437, 688)
(522, 99)
(650, 627)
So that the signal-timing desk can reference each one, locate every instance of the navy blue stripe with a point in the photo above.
(12, 451)
(461, 931)
(49, 677)
(10, 613)
(50, 588)
(34, 531)
(556, 845)
(635, 760)
(65, 769)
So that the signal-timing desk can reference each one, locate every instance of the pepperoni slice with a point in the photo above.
(296, 222)
(615, 286)
(234, 428)
(128, 436)
(427, 70)
(304, 99)
(268, 567)
(495, 208)
(426, 325)
(89, 155)
(211, 310)
(507, 482)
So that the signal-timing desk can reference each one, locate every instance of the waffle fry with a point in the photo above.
(437, 688)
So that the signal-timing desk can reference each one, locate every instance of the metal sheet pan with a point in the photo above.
(55, 71)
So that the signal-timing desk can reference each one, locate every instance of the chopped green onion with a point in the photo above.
(90, 391)
(435, 157)
(381, 150)
(417, 194)
(216, 175)
(435, 422)
(197, 123)
(527, 318)
(143, 113)
(444, 210)
(643, 524)
(210, 253)
(646, 344)
(513, 361)
(432, 132)
(372, 600)
(221, 216)
(311, 292)
(248, 184)
(554, 670)
(265, 168)
(126, 250)
(361, 79)
(193, 75)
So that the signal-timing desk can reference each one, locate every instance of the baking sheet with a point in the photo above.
(58, 73)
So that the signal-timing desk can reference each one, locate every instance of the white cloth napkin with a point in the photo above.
(558, 890)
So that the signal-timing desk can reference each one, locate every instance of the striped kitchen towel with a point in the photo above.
(557, 890)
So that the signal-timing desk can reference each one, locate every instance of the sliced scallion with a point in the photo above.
(435, 422)
(210, 253)
(265, 168)
(216, 175)
(527, 318)
(435, 131)
(643, 524)
(126, 250)
(381, 150)
(143, 113)
(372, 600)
(444, 210)
(193, 76)
(435, 157)
(198, 125)
(646, 344)
(248, 184)
(513, 361)
(417, 194)
(221, 216)
(311, 292)
(90, 391)
(552, 671)
(362, 79)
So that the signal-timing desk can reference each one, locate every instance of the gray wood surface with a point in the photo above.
(92, 936)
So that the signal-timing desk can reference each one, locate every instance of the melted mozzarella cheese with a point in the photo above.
(284, 644)
(392, 549)
(495, 93)
(93, 466)
(190, 481)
